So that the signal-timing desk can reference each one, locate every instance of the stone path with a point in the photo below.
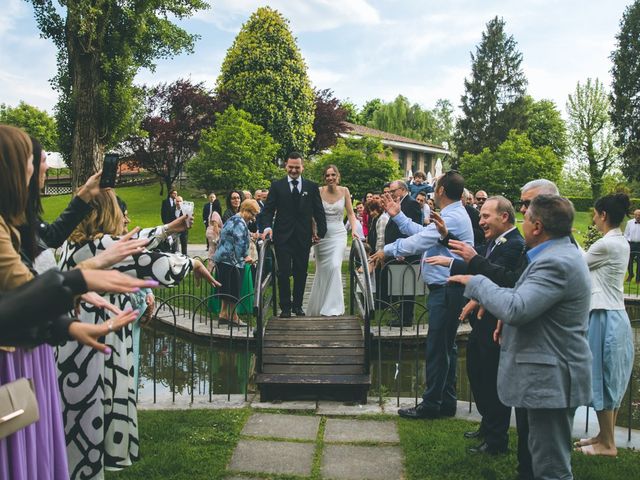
(318, 446)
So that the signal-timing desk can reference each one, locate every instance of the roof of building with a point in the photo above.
(361, 130)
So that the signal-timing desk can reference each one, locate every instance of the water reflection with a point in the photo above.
(201, 367)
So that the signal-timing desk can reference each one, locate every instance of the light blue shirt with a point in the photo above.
(538, 249)
(423, 240)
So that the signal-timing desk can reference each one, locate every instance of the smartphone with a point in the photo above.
(187, 209)
(109, 171)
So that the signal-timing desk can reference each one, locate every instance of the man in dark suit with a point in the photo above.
(545, 360)
(504, 246)
(212, 206)
(296, 201)
(260, 196)
(183, 237)
(168, 208)
(168, 215)
(412, 209)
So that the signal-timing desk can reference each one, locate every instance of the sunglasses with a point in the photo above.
(524, 203)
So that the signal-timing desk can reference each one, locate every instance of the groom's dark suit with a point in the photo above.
(292, 232)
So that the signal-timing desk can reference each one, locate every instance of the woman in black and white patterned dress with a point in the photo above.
(98, 391)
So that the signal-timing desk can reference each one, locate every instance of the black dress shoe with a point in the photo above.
(285, 313)
(472, 434)
(419, 411)
(298, 311)
(484, 447)
(448, 411)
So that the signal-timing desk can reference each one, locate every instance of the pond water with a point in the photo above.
(189, 366)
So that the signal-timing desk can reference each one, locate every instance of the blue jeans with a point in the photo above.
(444, 305)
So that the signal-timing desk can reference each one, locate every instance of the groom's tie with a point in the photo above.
(295, 193)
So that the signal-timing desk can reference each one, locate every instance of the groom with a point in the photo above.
(295, 201)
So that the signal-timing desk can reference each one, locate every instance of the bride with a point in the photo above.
(327, 296)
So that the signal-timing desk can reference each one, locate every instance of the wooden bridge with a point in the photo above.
(314, 357)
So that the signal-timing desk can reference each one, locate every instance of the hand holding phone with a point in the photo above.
(109, 171)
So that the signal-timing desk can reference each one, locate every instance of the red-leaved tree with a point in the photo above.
(174, 116)
(328, 121)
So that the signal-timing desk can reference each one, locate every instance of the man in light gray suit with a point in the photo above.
(545, 361)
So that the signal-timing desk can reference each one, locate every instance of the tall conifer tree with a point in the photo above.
(494, 98)
(264, 74)
(625, 94)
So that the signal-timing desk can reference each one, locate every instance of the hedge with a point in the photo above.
(584, 204)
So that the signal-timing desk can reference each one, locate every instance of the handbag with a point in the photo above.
(18, 406)
(253, 251)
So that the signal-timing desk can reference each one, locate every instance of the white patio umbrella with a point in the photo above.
(438, 168)
(54, 160)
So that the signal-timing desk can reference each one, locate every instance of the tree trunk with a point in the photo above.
(87, 150)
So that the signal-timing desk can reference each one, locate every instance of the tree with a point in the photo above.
(264, 74)
(625, 112)
(445, 122)
(402, 118)
(37, 123)
(169, 136)
(366, 115)
(512, 164)
(101, 46)
(545, 126)
(591, 132)
(328, 121)
(351, 109)
(493, 102)
(236, 153)
(364, 165)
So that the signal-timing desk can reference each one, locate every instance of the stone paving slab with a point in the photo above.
(350, 462)
(282, 426)
(273, 457)
(297, 405)
(339, 430)
(327, 407)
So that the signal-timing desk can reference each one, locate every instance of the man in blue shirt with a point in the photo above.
(444, 302)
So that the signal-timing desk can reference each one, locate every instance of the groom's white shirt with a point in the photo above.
(289, 179)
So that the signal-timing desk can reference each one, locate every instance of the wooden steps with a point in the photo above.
(314, 357)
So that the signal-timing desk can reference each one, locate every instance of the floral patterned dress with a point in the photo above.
(98, 391)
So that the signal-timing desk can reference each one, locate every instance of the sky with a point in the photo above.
(361, 49)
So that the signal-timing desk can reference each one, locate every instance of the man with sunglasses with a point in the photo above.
(481, 197)
(506, 277)
(545, 357)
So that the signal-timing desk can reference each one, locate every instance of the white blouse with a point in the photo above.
(607, 260)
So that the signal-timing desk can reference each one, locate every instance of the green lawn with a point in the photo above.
(580, 224)
(185, 444)
(143, 203)
(198, 444)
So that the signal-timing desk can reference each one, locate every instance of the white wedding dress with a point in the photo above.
(327, 297)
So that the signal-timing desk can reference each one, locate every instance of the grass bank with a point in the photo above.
(143, 203)
(198, 444)
(185, 444)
